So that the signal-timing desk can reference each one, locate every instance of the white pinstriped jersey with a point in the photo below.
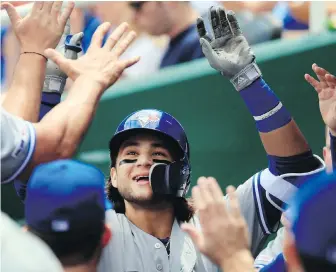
(132, 249)
(17, 145)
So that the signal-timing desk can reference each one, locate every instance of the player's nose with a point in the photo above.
(144, 160)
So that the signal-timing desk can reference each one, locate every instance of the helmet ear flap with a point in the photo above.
(170, 179)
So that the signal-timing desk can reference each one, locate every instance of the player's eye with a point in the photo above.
(131, 153)
(158, 153)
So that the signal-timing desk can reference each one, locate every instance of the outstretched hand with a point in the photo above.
(100, 63)
(42, 28)
(228, 51)
(325, 87)
(224, 233)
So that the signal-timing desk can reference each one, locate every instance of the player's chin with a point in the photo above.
(144, 193)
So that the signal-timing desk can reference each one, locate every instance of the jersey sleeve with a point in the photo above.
(17, 145)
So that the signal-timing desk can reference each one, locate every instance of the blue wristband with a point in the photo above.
(265, 107)
(49, 100)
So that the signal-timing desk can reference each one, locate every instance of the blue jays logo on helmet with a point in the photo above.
(159, 122)
(143, 119)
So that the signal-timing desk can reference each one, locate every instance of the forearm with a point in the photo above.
(24, 95)
(60, 132)
(240, 262)
(72, 117)
(278, 131)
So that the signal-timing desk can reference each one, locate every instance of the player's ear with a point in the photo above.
(113, 175)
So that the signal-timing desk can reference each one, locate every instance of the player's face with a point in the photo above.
(131, 173)
(153, 18)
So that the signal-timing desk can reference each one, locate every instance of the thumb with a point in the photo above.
(195, 235)
(206, 46)
(12, 13)
(58, 58)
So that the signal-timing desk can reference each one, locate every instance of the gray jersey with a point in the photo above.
(24, 252)
(17, 145)
(132, 249)
(273, 249)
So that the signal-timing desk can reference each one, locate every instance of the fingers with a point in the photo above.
(98, 36)
(215, 190)
(130, 62)
(12, 13)
(202, 30)
(115, 36)
(234, 202)
(47, 6)
(196, 196)
(66, 13)
(56, 7)
(195, 235)
(215, 23)
(38, 6)
(206, 47)
(331, 80)
(234, 23)
(313, 82)
(320, 72)
(124, 43)
(58, 59)
(224, 22)
(204, 190)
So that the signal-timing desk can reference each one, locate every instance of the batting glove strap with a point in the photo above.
(246, 76)
(54, 84)
(73, 45)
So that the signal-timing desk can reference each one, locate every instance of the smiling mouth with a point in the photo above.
(141, 179)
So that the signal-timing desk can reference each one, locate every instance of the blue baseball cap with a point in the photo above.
(312, 214)
(65, 196)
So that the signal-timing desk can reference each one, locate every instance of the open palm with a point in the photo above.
(325, 86)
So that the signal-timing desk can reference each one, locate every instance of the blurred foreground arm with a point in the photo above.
(60, 132)
(224, 235)
(42, 28)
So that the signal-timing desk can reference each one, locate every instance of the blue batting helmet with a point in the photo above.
(172, 179)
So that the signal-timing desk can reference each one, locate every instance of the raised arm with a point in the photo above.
(42, 28)
(289, 155)
(60, 132)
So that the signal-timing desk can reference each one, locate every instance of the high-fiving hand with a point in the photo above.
(100, 63)
(228, 51)
(224, 234)
(325, 87)
(42, 28)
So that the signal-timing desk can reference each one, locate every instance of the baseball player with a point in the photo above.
(150, 169)
(271, 258)
(150, 175)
